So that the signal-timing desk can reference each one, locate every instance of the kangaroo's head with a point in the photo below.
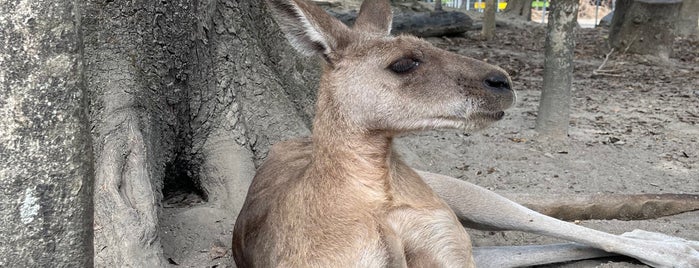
(376, 82)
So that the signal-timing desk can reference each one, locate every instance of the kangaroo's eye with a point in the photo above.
(404, 65)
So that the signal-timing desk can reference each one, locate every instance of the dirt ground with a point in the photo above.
(633, 130)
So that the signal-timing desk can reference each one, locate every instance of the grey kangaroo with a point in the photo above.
(343, 198)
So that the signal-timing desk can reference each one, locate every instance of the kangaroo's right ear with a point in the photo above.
(309, 28)
(374, 16)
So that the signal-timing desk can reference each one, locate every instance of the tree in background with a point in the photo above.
(488, 30)
(554, 107)
(519, 9)
(633, 21)
(689, 18)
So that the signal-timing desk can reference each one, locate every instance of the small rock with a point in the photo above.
(491, 170)
(217, 252)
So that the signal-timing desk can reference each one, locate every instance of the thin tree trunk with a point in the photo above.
(45, 158)
(438, 5)
(519, 9)
(554, 107)
(488, 30)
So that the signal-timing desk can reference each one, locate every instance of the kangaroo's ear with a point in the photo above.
(375, 16)
(309, 28)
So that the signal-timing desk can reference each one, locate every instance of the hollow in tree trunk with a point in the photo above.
(554, 106)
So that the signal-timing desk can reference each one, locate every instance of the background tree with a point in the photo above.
(488, 30)
(519, 9)
(634, 19)
(438, 5)
(45, 158)
(554, 107)
(689, 18)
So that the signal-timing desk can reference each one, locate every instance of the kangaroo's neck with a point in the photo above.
(343, 149)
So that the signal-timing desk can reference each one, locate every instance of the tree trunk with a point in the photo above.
(554, 107)
(46, 171)
(689, 18)
(187, 98)
(645, 26)
(183, 99)
(488, 30)
(521, 9)
(438, 5)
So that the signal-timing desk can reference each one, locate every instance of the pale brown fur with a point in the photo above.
(343, 198)
(369, 220)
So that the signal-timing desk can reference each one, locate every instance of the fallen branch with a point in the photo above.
(599, 71)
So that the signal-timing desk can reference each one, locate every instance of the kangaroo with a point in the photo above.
(344, 198)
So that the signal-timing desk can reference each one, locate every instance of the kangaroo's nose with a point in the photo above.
(498, 82)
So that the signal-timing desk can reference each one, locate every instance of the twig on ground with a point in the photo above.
(600, 71)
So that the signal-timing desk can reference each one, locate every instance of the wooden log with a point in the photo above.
(422, 24)
(645, 26)
(608, 206)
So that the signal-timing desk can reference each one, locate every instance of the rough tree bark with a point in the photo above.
(488, 30)
(645, 26)
(45, 160)
(186, 97)
(554, 107)
(688, 23)
(519, 9)
(181, 97)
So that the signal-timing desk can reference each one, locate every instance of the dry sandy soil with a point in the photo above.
(636, 131)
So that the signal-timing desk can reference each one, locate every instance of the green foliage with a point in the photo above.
(540, 4)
